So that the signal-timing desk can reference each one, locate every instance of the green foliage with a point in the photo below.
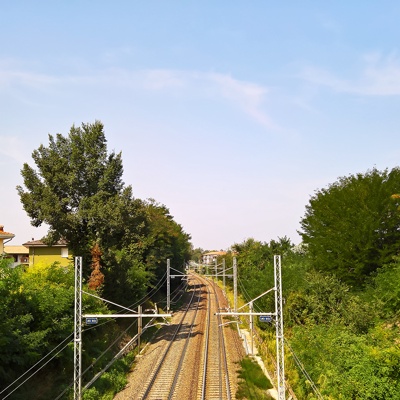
(165, 239)
(346, 339)
(324, 299)
(352, 228)
(110, 382)
(38, 313)
(349, 366)
(253, 384)
(256, 268)
(384, 290)
(78, 191)
(77, 188)
(196, 254)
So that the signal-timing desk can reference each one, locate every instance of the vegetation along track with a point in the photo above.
(188, 359)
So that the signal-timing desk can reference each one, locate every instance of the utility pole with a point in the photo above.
(169, 276)
(139, 326)
(168, 285)
(223, 269)
(279, 328)
(267, 317)
(92, 317)
(234, 285)
(251, 327)
(78, 329)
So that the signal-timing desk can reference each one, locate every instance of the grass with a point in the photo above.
(253, 384)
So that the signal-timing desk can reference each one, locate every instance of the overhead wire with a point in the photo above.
(303, 370)
(155, 289)
(37, 363)
(152, 292)
(35, 371)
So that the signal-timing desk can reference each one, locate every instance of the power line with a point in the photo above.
(35, 371)
(303, 370)
(21, 376)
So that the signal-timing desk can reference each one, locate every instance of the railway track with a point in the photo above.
(189, 359)
(215, 380)
(164, 376)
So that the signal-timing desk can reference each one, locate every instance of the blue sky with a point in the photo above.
(230, 113)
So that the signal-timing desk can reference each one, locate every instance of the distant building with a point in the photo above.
(210, 257)
(3, 238)
(39, 251)
(19, 253)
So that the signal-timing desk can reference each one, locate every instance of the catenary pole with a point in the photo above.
(234, 285)
(279, 328)
(78, 329)
(223, 268)
(168, 285)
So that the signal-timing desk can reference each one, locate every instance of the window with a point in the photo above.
(64, 252)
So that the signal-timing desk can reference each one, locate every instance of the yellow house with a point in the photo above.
(41, 252)
(4, 236)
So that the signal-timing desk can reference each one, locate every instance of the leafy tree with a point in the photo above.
(348, 366)
(324, 299)
(165, 239)
(78, 190)
(352, 227)
(255, 267)
(384, 290)
(196, 254)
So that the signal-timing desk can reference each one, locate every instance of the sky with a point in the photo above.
(230, 113)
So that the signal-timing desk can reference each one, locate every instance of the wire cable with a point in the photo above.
(36, 371)
(21, 376)
(303, 370)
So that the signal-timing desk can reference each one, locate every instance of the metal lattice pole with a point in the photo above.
(223, 268)
(234, 285)
(168, 285)
(279, 328)
(78, 329)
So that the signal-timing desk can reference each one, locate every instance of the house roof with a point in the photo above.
(5, 235)
(39, 243)
(215, 253)
(16, 250)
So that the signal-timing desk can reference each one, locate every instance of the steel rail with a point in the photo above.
(180, 364)
(162, 360)
(222, 348)
(205, 357)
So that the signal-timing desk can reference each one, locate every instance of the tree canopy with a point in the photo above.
(352, 227)
(77, 190)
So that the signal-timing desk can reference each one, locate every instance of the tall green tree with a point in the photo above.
(165, 238)
(75, 181)
(77, 190)
(352, 227)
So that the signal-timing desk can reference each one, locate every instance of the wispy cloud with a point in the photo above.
(380, 76)
(248, 97)
(11, 75)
